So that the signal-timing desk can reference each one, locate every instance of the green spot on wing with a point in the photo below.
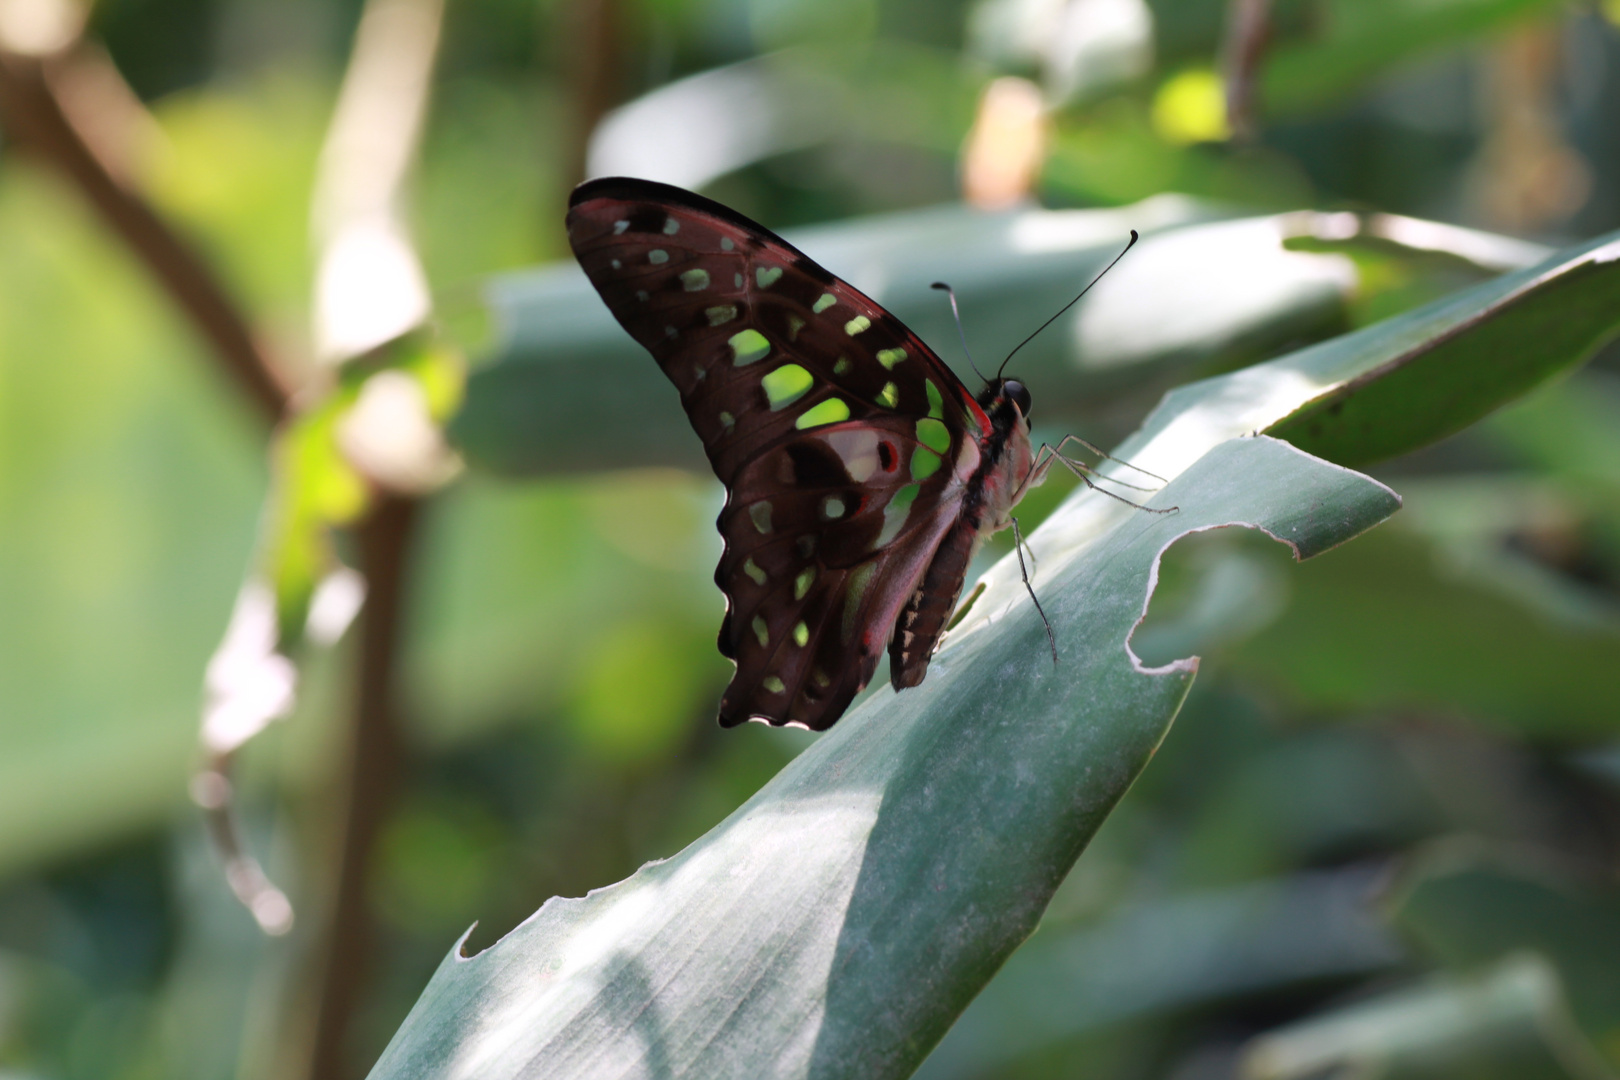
(801, 634)
(854, 592)
(857, 325)
(748, 346)
(751, 568)
(695, 280)
(831, 411)
(795, 324)
(767, 276)
(896, 513)
(936, 404)
(761, 631)
(720, 314)
(889, 396)
(802, 583)
(760, 513)
(773, 684)
(932, 434)
(658, 256)
(890, 357)
(786, 384)
(841, 366)
(823, 302)
(924, 463)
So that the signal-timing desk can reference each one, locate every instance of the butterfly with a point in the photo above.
(861, 475)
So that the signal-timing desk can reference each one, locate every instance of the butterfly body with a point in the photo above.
(861, 475)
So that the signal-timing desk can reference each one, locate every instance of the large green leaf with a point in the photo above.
(1449, 363)
(1511, 1023)
(1466, 907)
(1409, 621)
(839, 921)
(1161, 955)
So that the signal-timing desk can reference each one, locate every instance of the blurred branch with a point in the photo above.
(370, 292)
(370, 287)
(596, 60)
(1248, 31)
(1526, 177)
(33, 113)
(375, 753)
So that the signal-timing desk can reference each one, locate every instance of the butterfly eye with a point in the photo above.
(1018, 393)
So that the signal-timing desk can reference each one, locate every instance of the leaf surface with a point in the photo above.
(837, 923)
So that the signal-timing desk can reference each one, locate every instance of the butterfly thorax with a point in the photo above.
(1004, 473)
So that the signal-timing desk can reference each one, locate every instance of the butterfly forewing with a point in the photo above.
(844, 443)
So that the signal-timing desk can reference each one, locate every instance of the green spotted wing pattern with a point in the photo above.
(847, 448)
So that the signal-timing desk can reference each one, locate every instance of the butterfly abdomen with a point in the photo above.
(922, 620)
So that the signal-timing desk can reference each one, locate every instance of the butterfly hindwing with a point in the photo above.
(844, 443)
(810, 606)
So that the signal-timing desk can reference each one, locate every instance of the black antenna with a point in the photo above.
(1065, 307)
(959, 331)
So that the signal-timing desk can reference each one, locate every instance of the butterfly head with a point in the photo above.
(1006, 402)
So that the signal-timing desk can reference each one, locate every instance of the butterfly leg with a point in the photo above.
(1037, 473)
(1073, 464)
(1110, 457)
(1019, 546)
(1046, 455)
(1081, 470)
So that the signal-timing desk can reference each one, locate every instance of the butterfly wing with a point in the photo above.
(845, 445)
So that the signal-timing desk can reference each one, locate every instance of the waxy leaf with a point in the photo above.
(1449, 363)
(1509, 1021)
(1163, 955)
(838, 922)
(1467, 906)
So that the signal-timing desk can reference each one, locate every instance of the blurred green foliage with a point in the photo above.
(1424, 713)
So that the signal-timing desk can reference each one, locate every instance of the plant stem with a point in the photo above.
(370, 778)
(596, 59)
(1246, 35)
(32, 113)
